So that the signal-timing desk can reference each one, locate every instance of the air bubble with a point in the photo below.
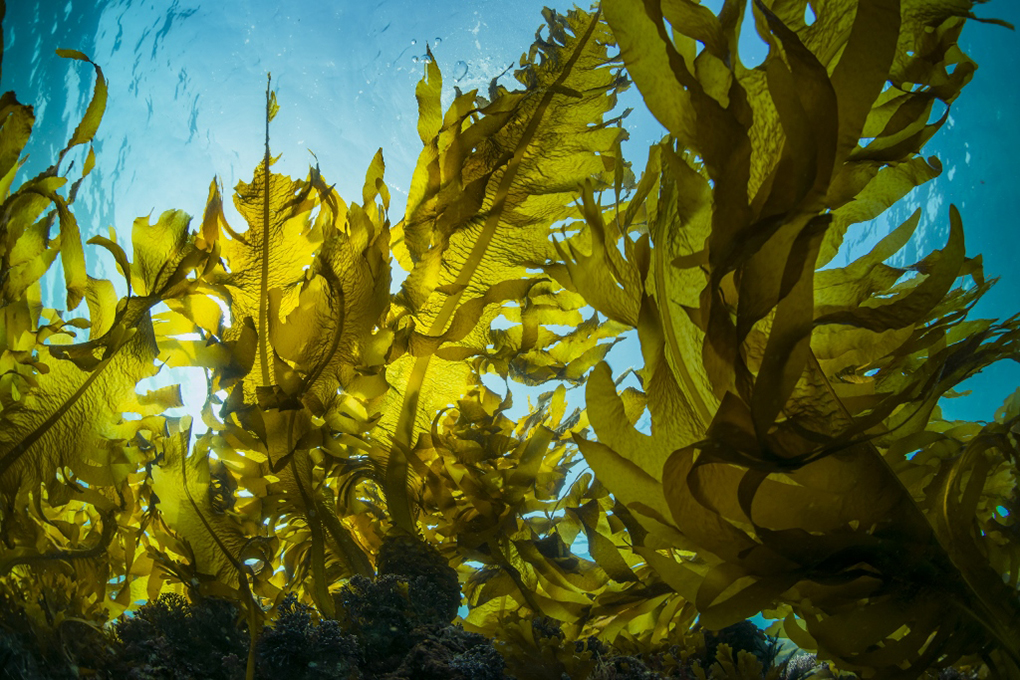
(460, 70)
(414, 42)
(438, 40)
(414, 59)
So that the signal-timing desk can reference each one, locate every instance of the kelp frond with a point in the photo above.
(797, 462)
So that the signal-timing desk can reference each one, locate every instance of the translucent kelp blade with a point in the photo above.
(491, 183)
(794, 387)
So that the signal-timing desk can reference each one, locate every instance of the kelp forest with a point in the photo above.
(354, 483)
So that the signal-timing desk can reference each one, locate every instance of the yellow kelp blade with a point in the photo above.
(73, 419)
(794, 387)
(221, 541)
(493, 179)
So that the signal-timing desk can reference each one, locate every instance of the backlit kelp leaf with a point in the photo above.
(487, 481)
(302, 344)
(790, 387)
(26, 246)
(345, 298)
(222, 542)
(165, 261)
(271, 254)
(341, 380)
(89, 124)
(494, 494)
(492, 180)
(283, 470)
(72, 419)
(193, 503)
(270, 257)
(17, 125)
(28, 252)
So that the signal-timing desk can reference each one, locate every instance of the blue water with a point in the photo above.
(187, 86)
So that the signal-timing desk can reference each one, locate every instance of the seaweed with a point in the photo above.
(353, 463)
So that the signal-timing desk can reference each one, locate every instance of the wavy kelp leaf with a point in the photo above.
(479, 489)
(66, 409)
(165, 256)
(71, 419)
(89, 124)
(494, 494)
(221, 541)
(72, 254)
(679, 398)
(287, 475)
(191, 502)
(781, 475)
(271, 254)
(346, 296)
(492, 180)
(307, 286)
(26, 250)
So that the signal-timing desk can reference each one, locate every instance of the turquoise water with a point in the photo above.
(187, 87)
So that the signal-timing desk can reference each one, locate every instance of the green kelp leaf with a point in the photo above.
(345, 297)
(492, 180)
(191, 502)
(794, 387)
(72, 419)
(221, 542)
(531, 353)
(302, 356)
(28, 251)
(494, 492)
(72, 256)
(281, 469)
(89, 124)
(165, 256)
(271, 254)
(24, 206)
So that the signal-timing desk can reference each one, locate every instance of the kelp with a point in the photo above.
(785, 401)
(797, 461)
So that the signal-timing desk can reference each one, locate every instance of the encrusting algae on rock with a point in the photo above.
(797, 462)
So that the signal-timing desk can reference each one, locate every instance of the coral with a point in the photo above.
(451, 653)
(167, 639)
(295, 647)
(409, 557)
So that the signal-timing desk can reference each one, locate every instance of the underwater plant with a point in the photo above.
(797, 462)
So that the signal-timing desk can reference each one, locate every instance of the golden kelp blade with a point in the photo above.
(493, 179)
(221, 542)
(779, 474)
